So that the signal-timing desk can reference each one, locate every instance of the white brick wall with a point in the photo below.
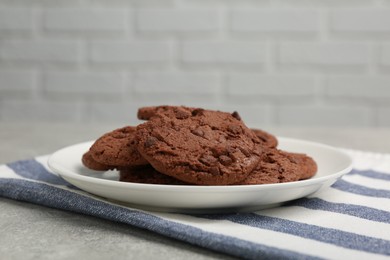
(41, 110)
(312, 115)
(130, 52)
(16, 81)
(16, 19)
(176, 20)
(363, 87)
(40, 51)
(84, 83)
(85, 20)
(279, 86)
(275, 20)
(324, 54)
(187, 83)
(276, 62)
(361, 20)
(385, 55)
(223, 53)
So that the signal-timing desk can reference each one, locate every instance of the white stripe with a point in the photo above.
(338, 196)
(6, 172)
(331, 220)
(270, 238)
(367, 160)
(368, 182)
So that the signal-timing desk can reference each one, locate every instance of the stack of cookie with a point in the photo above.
(192, 146)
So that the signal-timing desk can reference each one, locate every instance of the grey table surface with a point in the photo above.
(33, 232)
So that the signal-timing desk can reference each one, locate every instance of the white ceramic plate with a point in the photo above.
(332, 164)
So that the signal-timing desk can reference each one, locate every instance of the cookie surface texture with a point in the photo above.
(274, 167)
(117, 148)
(307, 166)
(199, 146)
(266, 138)
(92, 164)
(146, 113)
(277, 166)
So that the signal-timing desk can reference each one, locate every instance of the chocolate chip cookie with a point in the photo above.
(117, 148)
(199, 146)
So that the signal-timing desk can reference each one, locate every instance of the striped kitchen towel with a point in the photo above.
(349, 220)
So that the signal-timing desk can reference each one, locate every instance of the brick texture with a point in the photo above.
(16, 19)
(270, 85)
(184, 21)
(312, 115)
(82, 20)
(275, 21)
(363, 87)
(385, 55)
(16, 80)
(186, 83)
(130, 52)
(329, 54)
(361, 20)
(119, 112)
(40, 110)
(301, 63)
(40, 51)
(87, 83)
(245, 53)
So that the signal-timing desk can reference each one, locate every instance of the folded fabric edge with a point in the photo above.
(54, 197)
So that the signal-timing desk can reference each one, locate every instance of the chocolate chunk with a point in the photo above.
(150, 141)
(236, 115)
(208, 160)
(225, 160)
(235, 129)
(198, 132)
(197, 112)
(182, 113)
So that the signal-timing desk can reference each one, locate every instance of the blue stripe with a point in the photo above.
(55, 197)
(33, 170)
(326, 235)
(343, 208)
(361, 190)
(372, 174)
